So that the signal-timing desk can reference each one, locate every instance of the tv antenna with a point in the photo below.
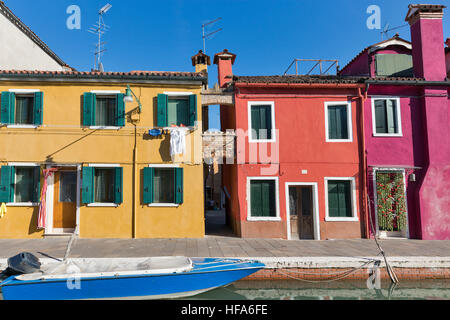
(386, 30)
(99, 29)
(206, 36)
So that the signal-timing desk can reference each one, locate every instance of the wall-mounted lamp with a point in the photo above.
(129, 97)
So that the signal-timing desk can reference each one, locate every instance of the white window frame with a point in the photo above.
(173, 205)
(105, 93)
(103, 166)
(353, 200)
(23, 92)
(277, 200)
(398, 112)
(249, 110)
(22, 204)
(349, 120)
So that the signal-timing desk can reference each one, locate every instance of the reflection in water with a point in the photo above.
(340, 290)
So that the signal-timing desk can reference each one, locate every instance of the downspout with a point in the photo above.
(134, 180)
(363, 98)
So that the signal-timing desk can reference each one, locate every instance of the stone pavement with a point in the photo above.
(221, 246)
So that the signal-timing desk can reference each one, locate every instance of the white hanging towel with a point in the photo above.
(177, 141)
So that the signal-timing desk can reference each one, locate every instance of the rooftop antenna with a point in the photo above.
(386, 30)
(100, 28)
(206, 36)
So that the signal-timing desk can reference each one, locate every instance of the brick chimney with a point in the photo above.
(224, 61)
(427, 37)
(201, 62)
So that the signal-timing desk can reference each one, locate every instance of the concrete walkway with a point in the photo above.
(219, 246)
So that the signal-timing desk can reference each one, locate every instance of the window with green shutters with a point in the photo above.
(102, 185)
(339, 198)
(338, 122)
(263, 199)
(386, 116)
(261, 122)
(163, 185)
(176, 110)
(394, 65)
(20, 184)
(22, 109)
(103, 110)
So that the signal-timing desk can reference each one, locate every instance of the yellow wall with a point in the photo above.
(63, 140)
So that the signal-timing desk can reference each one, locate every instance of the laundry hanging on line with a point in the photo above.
(177, 141)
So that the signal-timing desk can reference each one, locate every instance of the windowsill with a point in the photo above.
(350, 219)
(105, 127)
(392, 135)
(22, 126)
(171, 205)
(263, 219)
(22, 204)
(97, 204)
(261, 141)
(339, 140)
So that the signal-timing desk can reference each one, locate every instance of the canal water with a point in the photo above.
(338, 290)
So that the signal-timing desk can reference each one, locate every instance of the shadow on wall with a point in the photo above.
(32, 228)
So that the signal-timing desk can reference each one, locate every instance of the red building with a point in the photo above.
(297, 173)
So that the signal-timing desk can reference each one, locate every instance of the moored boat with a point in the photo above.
(130, 278)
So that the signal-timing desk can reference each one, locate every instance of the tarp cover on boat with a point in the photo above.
(99, 267)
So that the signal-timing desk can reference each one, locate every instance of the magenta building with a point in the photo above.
(406, 128)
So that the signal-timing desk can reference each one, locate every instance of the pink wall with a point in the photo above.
(428, 49)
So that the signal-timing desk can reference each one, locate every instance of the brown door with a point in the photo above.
(301, 212)
(306, 229)
(64, 204)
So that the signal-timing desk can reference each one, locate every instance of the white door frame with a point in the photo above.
(374, 181)
(315, 203)
(49, 230)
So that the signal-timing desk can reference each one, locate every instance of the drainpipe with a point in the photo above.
(134, 180)
(362, 97)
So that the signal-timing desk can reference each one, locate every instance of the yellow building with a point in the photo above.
(114, 176)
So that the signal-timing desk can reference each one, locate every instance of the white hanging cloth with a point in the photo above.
(177, 141)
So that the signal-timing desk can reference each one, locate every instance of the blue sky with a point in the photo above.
(162, 35)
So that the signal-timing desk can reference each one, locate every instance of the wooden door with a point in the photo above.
(306, 228)
(64, 202)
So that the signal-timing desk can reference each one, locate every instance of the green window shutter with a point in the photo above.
(120, 120)
(268, 199)
(332, 130)
(7, 107)
(7, 184)
(162, 110)
(337, 122)
(87, 192)
(380, 116)
(118, 186)
(37, 185)
(38, 108)
(339, 199)
(147, 196)
(255, 199)
(333, 199)
(391, 115)
(178, 185)
(192, 110)
(255, 122)
(394, 65)
(266, 122)
(89, 102)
